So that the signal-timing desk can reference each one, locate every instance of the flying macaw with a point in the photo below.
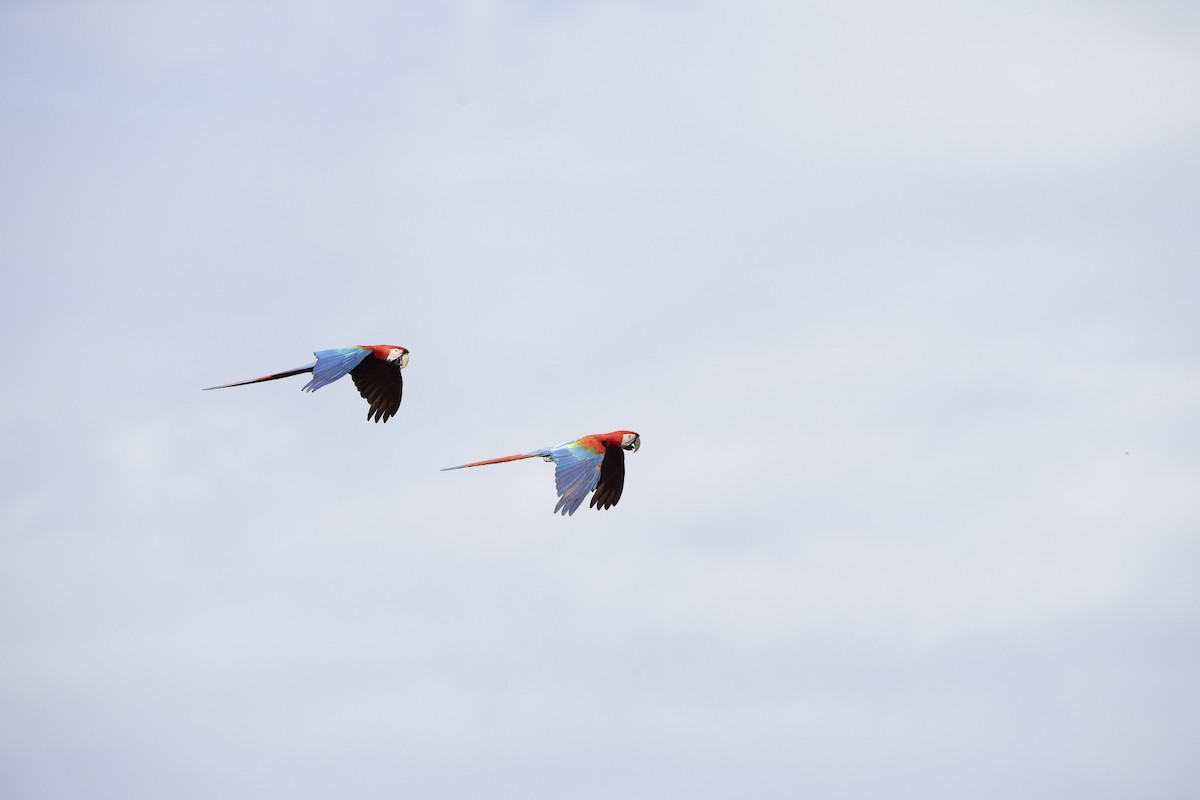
(375, 369)
(590, 462)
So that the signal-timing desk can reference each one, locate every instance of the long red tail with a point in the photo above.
(492, 461)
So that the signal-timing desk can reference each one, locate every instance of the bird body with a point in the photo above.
(592, 462)
(375, 370)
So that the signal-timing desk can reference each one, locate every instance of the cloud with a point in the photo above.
(899, 300)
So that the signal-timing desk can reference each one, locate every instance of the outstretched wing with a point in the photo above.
(381, 384)
(612, 479)
(577, 469)
(333, 364)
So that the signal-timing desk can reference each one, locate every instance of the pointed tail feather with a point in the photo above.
(493, 461)
(274, 377)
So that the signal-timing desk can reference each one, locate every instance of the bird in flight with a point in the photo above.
(375, 369)
(596, 461)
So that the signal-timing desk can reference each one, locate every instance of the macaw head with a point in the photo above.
(398, 355)
(630, 441)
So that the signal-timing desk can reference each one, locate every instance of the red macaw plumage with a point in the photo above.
(596, 461)
(375, 369)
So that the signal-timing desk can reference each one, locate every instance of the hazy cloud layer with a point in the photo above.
(902, 299)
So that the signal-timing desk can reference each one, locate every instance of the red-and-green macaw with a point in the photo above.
(596, 461)
(375, 369)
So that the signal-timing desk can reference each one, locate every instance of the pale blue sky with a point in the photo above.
(901, 297)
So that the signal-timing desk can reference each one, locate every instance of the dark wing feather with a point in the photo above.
(612, 479)
(381, 384)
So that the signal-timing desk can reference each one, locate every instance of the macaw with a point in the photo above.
(374, 368)
(590, 462)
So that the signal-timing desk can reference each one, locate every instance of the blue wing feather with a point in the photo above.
(334, 364)
(576, 473)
